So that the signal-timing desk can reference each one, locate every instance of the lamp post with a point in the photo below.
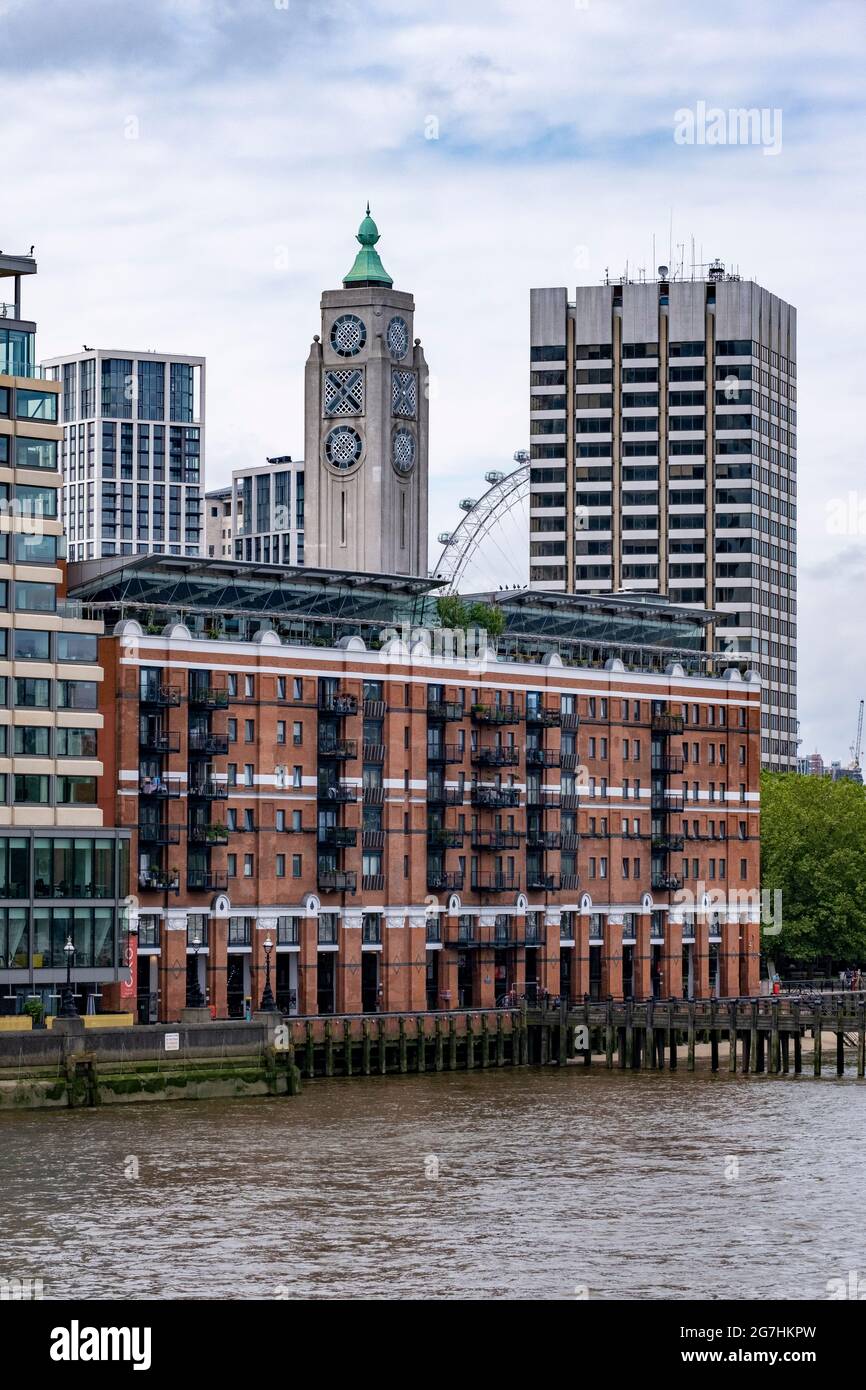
(67, 1007)
(268, 1004)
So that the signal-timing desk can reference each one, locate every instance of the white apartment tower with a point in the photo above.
(663, 420)
(132, 452)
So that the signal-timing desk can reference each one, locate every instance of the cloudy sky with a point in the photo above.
(192, 173)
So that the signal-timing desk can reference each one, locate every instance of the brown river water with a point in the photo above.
(536, 1184)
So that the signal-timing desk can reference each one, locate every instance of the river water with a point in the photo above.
(530, 1184)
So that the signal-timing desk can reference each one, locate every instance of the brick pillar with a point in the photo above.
(750, 945)
(448, 964)
(172, 968)
(349, 963)
(729, 960)
(395, 964)
(308, 966)
(672, 957)
(611, 969)
(549, 962)
(484, 963)
(643, 984)
(702, 957)
(580, 954)
(416, 954)
(218, 928)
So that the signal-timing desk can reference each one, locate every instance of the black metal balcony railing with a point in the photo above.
(159, 787)
(667, 723)
(337, 791)
(373, 883)
(571, 882)
(373, 839)
(209, 696)
(159, 741)
(571, 722)
(209, 834)
(374, 752)
(546, 883)
(155, 693)
(208, 790)
(495, 797)
(547, 798)
(545, 715)
(448, 711)
(496, 839)
(444, 796)
(670, 804)
(542, 757)
(665, 883)
(569, 841)
(338, 702)
(374, 709)
(668, 844)
(444, 753)
(496, 714)
(149, 834)
(203, 741)
(374, 795)
(567, 761)
(496, 757)
(543, 839)
(667, 762)
(338, 749)
(569, 801)
(438, 881)
(440, 838)
(206, 881)
(159, 880)
(495, 883)
(337, 836)
(337, 881)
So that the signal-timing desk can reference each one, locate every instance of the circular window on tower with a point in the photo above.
(343, 447)
(348, 335)
(398, 337)
(403, 451)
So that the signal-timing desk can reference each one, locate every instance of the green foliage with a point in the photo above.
(454, 613)
(451, 611)
(35, 1008)
(813, 848)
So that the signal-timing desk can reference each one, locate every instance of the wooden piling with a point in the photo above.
(470, 1043)
(366, 1048)
(714, 1050)
(785, 1044)
(691, 1036)
(818, 1033)
(421, 1045)
(753, 1039)
(798, 1041)
(732, 1040)
(861, 1041)
(402, 1050)
(452, 1043)
(309, 1052)
(775, 1065)
(500, 1040)
(347, 1047)
(383, 1048)
(440, 1049)
(608, 1038)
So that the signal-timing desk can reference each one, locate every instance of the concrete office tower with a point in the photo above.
(61, 873)
(663, 445)
(132, 452)
(268, 512)
(366, 426)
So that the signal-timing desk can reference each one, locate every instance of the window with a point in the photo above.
(296, 820)
(76, 791)
(281, 731)
(232, 685)
(297, 733)
(32, 742)
(232, 730)
(297, 776)
(76, 646)
(32, 694)
(249, 731)
(248, 865)
(249, 774)
(249, 687)
(248, 820)
(31, 645)
(296, 865)
(232, 774)
(232, 865)
(281, 866)
(31, 788)
(35, 453)
(281, 687)
(279, 820)
(297, 688)
(77, 694)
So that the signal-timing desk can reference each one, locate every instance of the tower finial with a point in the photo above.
(368, 207)
(368, 269)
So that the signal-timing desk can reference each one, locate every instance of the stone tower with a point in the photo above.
(365, 411)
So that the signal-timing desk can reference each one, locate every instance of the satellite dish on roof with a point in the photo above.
(663, 272)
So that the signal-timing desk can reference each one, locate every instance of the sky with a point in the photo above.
(193, 172)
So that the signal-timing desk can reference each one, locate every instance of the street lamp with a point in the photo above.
(268, 1004)
(67, 1007)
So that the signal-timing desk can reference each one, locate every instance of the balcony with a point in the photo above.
(208, 790)
(444, 796)
(338, 749)
(149, 834)
(569, 882)
(374, 709)
(494, 798)
(208, 835)
(372, 839)
(159, 881)
(545, 883)
(373, 883)
(444, 753)
(668, 762)
(668, 844)
(496, 714)
(496, 839)
(570, 842)
(338, 702)
(204, 742)
(665, 883)
(542, 757)
(439, 838)
(337, 836)
(373, 752)
(667, 723)
(209, 696)
(154, 693)
(374, 796)
(337, 881)
(206, 881)
(667, 804)
(545, 839)
(571, 722)
(340, 792)
(446, 711)
(495, 883)
(547, 798)
(496, 757)
(159, 741)
(569, 801)
(545, 715)
(438, 881)
(159, 787)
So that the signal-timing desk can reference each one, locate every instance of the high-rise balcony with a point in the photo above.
(438, 881)
(337, 881)
(206, 881)
(496, 757)
(496, 714)
(545, 715)
(667, 723)
(668, 844)
(159, 741)
(208, 834)
(159, 880)
(337, 836)
(151, 834)
(209, 696)
(338, 702)
(444, 796)
(494, 882)
(337, 791)
(542, 757)
(440, 838)
(204, 743)
(667, 762)
(157, 693)
(338, 749)
(446, 711)
(159, 787)
(373, 752)
(665, 883)
(495, 798)
(496, 839)
(544, 839)
(444, 753)
(539, 880)
(208, 790)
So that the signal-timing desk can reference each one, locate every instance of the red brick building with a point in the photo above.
(413, 831)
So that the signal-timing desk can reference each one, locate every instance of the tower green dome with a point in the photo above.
(368, 268)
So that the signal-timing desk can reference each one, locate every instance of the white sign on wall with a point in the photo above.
(172, 1042)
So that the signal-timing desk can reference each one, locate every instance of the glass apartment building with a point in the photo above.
(268, 512)
(663, 419)
(132, 452)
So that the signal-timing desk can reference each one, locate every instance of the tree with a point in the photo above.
(454, 613)
(813, 848)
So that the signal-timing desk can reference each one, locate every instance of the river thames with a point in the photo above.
(535, 1184)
